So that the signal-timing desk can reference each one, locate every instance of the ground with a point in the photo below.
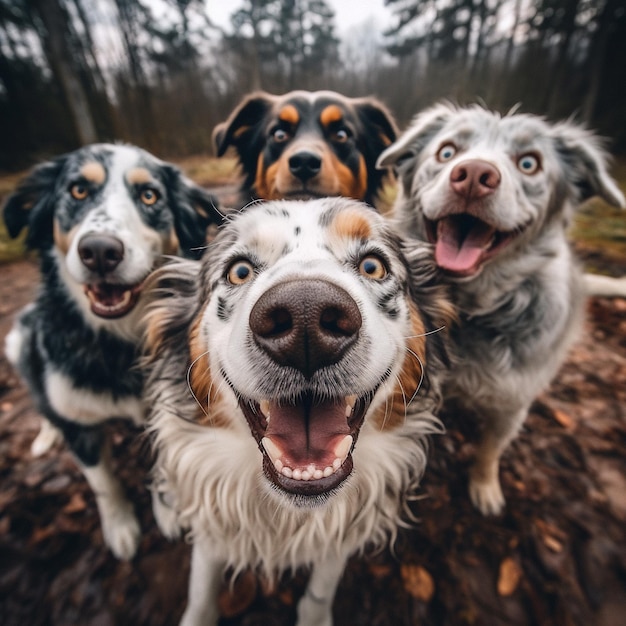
(557, 556)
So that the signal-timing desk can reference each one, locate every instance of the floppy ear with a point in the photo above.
(194, 210)
(584, 163)
(379, 132)
(236, 130)
(403, 153)
(32, 204)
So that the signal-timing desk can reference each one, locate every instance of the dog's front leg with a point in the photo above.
(316, 606)
(484, 482)
(119, 525)
(204, 584)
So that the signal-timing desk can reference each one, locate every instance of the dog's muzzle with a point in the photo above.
(306, 325)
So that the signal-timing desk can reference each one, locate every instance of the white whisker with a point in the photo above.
(189, 382)
(430, 332)
(421, 375)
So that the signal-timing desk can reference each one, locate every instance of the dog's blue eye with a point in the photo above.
(240, 272)
(446, 152)
(372, 266)
(341, 136)
(528, 163)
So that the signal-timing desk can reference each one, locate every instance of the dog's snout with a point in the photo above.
(474, 179)
(100, 253)
(305, 324)
(305, 165)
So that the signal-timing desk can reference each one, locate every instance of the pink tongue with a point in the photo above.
(461, 241)
(307, 433)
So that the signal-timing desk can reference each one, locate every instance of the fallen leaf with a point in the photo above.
(509, 577)
(235, 599)
(418, 582)
(76, 504)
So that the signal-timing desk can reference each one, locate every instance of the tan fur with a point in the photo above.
(139, 176)
(93, 172)
(352, 224)
(62, 240)
(331, 114)
(289, 114)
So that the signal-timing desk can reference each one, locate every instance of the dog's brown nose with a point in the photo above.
(474, 179)
(305, 165)
(306, 324)
(100, 253)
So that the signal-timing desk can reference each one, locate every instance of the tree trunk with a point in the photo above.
(54, 20)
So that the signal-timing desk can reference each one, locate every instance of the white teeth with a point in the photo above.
(265, 409)
(342, 449)
(350, 402)
(311, 471)
(271, 448)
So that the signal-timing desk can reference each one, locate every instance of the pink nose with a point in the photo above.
(474, 179)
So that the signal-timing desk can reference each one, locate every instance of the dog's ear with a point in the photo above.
(194, 211)
(584, 163)
(404, 152)
(32, 204)
(237, 129)
(379, 132)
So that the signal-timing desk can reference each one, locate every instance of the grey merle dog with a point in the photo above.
(494, 194)
(102, 218)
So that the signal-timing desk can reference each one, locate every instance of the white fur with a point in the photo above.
(87, 407)
(213, 475)
(522, 309)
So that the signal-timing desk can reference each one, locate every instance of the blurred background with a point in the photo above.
(162, 73)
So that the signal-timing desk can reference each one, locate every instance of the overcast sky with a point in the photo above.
(348, 13)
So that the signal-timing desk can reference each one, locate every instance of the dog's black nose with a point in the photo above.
(100, 253)
(474, 179)
(305, 165)
(306, 324)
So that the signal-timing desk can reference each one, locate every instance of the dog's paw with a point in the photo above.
(121, 532)
(47, 437)
(195, 617)
(312, 612)
(486, 495)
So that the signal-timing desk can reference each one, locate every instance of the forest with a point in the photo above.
(162, 73)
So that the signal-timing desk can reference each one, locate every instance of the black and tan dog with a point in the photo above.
(101, 218)
(308, 144)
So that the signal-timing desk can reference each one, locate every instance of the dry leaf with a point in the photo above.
(564, 419)
(418, 582)
(509, 577)
(236, 599)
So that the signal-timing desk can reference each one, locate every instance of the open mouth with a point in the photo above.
(464, 242)
(112, 301)
(307, 443)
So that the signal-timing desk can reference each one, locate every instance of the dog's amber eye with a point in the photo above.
(372, 266)
(280, 135)
(240, 272)
(148, 196)
(79, 191)
(446, 152)
(528, 163)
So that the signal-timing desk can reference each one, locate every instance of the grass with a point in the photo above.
(598, 227)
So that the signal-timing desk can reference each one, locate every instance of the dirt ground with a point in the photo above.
(557, 556)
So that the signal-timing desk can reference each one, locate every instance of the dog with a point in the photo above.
(494, 195)
(308, 144)
(102, 219)
(293, 380)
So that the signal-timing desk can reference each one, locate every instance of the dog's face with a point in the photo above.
(308, 144)
(479, 185)
(305, 320)
(109, 213)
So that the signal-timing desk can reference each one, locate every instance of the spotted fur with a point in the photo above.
(102, 218)
(495, 195)
(210, 373)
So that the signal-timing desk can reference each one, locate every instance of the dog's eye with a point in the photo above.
(280, 135)
(79, 191)
(148, 196)
(528, 163)
(446, 152)
(240, 272)
(372, 266)
(341, 136)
